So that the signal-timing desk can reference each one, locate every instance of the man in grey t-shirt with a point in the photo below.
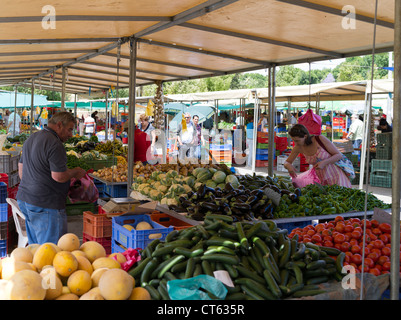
(45, 180)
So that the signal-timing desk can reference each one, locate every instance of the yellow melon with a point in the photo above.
(128, 227)
(119, 257)
(44, 255)
(26, 285)
(69, 242)
(79, 282)
(96, 275)
(65, 290)
(11, 267)
(52, 283)
(93, 250)
(116, 284)
(79, 253)
(65, 263)
(33, 247)
(105, 262)
(92, 294)
(3, 290)
(22, 254)
(84, 264)
(139, 293)
(143, 225)
(67, 296)
(55, 246)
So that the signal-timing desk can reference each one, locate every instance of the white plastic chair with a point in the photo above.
(19, 220)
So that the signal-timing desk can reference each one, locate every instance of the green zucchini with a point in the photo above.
(154, 293)
(221, 257)
(147, 271)
(136, 271)
(170, 265)
(271, 282)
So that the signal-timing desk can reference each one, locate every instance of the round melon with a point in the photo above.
(139, 293)
(44, 255)
(143, 225)
(26, 285)
(106, 262)
(3, 290)
(55, 246)
(65, 263)
(22, 254)
(84, 264)
(118, 257)
(79, 253)
(79, 282)
(11, 267)
(128, 227)
(69, 242)
(92, 294)
(67, 296)
(116, 284)
(52, 283)
(33, 247)
(96, 275)
(93, 250)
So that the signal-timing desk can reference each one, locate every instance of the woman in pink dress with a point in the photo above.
(322, 158)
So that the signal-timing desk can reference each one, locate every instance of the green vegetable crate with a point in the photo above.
(380, 179)
(100, 164)
(75, 209)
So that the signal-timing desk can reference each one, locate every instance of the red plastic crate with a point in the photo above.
(105, 242)
(261, 163)
(263, 140)
(167, 221)
(97, 225)
(12, 192)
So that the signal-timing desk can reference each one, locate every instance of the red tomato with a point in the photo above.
(376, 231)
(356, 258)
(316, 238)
(378, 244)
(339, 238)
(355, 249)
(375, 271)
(348, 228)
(356, 234)
(386, 266)
(385, 227)
(374, 223)
(326, 232)
(374, 256)
(310, 232)
(328, 243)
(386, 251)
(340, 227)
(353, 242)
(337, 246)
(345, 246)
(383, 259)
(338, 218)
(365, 268)
(385, 238)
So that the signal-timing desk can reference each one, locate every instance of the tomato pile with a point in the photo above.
(347, 236)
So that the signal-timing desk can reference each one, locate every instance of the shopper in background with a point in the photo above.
(197, 142)
(145, 126)
(6, 115)
(323, 161)
(89, 123)
(384, 126)
(142, 143)
(45, 180)
(14, 130)
(186, 139)
(355, 133)
(249, 140)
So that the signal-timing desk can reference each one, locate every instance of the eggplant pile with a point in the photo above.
(240, 203)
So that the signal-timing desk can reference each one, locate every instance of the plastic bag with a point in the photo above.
(312, 122)
(305, 178)
(132, 256)
(191, 288)
(83, 190)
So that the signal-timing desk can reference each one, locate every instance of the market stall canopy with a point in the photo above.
(204, 112)
(89, 45)
(7, 100)
(92, 104)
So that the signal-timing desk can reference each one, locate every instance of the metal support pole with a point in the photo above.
(106, 125)
(396, 165)
(255, 130)
(32, 102)
(63, 80)
(131, 112)
(272, 116)
(76, 129)
(15, 110)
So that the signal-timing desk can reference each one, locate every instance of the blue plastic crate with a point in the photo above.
(262, 157)
(292, 225)
(3, 248)
(116, 191)
(3, 212)
(220, 146)
(99, 185)
(136, 238)
(3, 192)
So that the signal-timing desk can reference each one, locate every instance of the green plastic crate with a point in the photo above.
(384, 152)
(381, 165)
(384, 139)
(100, 164)
(262, 146)
(380, 179)
(79, 208)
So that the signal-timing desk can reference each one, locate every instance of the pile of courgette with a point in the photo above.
(262, 261)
